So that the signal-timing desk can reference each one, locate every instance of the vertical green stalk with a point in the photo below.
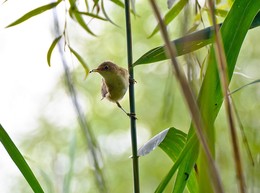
(132, 97)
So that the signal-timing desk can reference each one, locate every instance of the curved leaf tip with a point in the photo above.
(33, 13)
(152, 143)
(81, 61)
(55, 41)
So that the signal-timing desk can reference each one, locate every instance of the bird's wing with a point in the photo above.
(104, 90)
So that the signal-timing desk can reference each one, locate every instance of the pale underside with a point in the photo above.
(114, 91)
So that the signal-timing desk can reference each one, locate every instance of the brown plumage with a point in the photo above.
(114, 83)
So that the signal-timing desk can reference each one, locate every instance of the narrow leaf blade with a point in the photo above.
(33, 13)
(184, 45)
(51, 49)
(174, 11)
(105, 13)
(92, 15)
(119, 3)
(81, 21)
(81, 60)
(19, 160)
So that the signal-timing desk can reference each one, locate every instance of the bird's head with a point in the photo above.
(106, 69)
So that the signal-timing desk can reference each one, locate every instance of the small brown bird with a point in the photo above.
(114, 83)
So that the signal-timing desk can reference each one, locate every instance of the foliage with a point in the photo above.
(19, 160)
(190, 163)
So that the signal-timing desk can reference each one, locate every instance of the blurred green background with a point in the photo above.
(56, 149)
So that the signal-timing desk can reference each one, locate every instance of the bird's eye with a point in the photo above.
(106, 67)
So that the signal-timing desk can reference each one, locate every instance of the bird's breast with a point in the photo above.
(117, 88)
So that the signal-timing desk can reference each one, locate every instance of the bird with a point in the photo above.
(115, 82)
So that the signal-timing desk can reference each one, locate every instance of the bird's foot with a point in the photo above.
(132, 81)
(132, 115)
(128, 114)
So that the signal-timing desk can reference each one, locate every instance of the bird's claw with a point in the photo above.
(132, 115)
(132, 81)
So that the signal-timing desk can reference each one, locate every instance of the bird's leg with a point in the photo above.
(128, 114)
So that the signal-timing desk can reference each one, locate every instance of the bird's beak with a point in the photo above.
(94, 70)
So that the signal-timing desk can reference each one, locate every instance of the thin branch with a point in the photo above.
(132, 97)
(222, 67)
(190, 99)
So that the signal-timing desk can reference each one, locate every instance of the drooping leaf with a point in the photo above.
(92, 15)
(33, 13)
(81, 61)
(72, 4)
(105, 13)
(19, 160)
(119, 3)
(96, 6)
(78, 17)
(87, 5)
(51, 49)
(174, 11)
